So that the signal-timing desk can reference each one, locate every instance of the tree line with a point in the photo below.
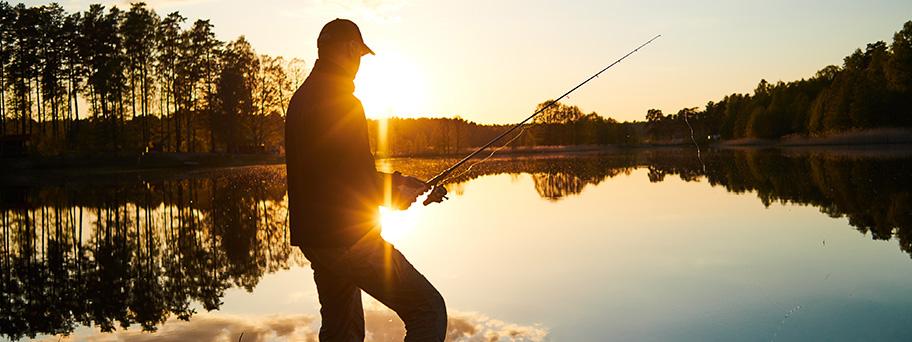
(150, 83)
(872, 89)
(153, 83)
(556, 125)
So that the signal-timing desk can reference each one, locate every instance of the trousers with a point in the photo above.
(374, 265)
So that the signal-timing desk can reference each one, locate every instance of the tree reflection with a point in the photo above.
(555, 177)
(873, 191)
(871, 188)
(136, 252)
(558, 185)
(114, 253)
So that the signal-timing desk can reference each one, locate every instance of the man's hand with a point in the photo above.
(405, 191)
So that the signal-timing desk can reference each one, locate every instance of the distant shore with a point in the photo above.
(74, 166)
(94, 165)
(879, 136)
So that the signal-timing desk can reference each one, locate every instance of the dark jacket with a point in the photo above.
(333, 186)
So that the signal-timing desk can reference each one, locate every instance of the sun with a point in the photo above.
(389, 84)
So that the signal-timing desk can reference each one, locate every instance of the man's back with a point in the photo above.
(333, 188)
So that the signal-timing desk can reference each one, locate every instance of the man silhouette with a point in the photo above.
(334, 194)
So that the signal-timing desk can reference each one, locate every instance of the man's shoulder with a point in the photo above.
(308, 87)
(317, 86)
(305, 94)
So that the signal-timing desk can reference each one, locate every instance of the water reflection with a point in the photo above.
(872, 188)
(382, 325)
(136, 252)
(143, 250)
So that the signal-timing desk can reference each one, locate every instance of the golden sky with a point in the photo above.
(493, 61)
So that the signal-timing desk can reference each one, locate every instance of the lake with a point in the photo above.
(653, 245)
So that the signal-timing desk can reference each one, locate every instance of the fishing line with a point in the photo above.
(779, 329)
(752, 277)
(521, 131)
(438, 193)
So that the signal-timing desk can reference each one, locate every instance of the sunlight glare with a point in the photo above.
(398, 223)
(389, 84)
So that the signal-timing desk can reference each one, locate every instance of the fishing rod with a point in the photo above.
(438, 192)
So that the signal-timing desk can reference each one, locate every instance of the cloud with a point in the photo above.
(214, 326)
(382, 325)
(496, 330)
(155, 4)
(378, 11)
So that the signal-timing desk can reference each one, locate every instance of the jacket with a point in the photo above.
(334, 189)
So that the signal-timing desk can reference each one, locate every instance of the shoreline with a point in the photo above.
(74, 165)
(878, 136)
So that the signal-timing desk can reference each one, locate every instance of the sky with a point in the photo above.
(491, 61)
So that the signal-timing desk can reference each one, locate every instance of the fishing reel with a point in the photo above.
(437, 195)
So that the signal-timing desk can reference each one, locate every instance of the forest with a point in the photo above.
(557, 125)
(157, 84)
(108, 81)
(872, 89)
(149, 83)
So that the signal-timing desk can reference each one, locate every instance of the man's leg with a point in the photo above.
(340, 299)
(383, 272)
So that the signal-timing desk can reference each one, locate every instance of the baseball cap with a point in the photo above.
(341, 30)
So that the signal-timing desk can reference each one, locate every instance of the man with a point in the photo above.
(334, 191)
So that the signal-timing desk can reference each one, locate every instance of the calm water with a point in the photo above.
(649, 246)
